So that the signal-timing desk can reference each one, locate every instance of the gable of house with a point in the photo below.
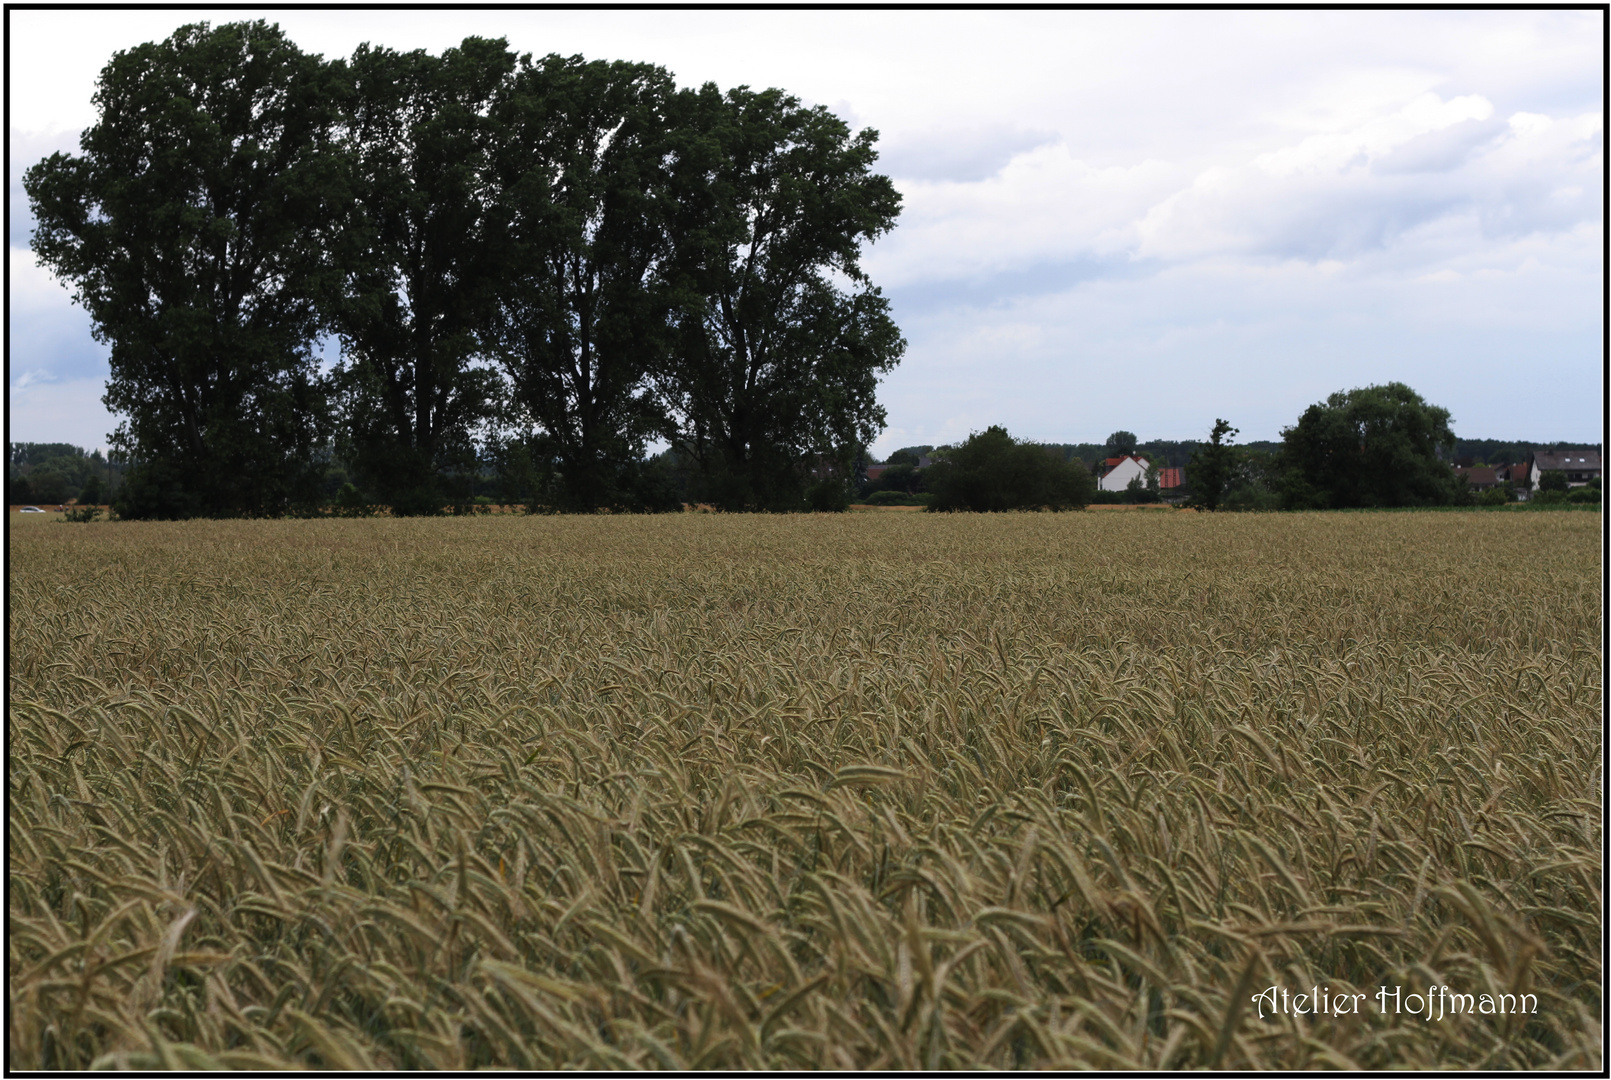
(1121, 470)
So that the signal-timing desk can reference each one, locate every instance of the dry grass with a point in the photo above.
(856, 791)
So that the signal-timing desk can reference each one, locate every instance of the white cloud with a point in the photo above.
(1321, 198)
(30, 286)
(1044, 205)
(1338, 151)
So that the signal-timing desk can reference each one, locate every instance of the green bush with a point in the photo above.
(828, 496)
(1250, 497)
(898, 498)
(1552, 480)
(1583, 495)
(993, 471)
(350, 502)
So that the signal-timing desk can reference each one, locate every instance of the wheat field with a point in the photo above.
(839, 791)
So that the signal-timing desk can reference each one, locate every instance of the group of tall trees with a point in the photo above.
(557, 262)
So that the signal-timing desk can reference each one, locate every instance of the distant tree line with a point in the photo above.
(1376, 446)
(58, 473)
(535, 271)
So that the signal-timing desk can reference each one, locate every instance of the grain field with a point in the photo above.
(854, 791)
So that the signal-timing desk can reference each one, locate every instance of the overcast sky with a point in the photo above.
(1127, 219)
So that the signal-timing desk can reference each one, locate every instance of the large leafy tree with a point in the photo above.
(584, 172)
(1374, 446)
(422, 248)
(780, 337)
(194, 228)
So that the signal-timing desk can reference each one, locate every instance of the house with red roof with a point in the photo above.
(1116, 473)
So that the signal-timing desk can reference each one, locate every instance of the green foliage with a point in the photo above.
(584, 170)
(91, 491)
(831, 496)
(18, 454)
(53, 472)
(194, 228)
(1256, 480)
(350, 502)
(1494, 496)
(1120, 443)
(1213, 468)
(779, 335)
(1583, 495)
(1375, 446)
(515, 473)
(1496, 451)
(993, 471)
(82, 514)
(421, 250)
(903, 478)
(573, 251)
(898, 498)
(1552, 480)
(49, 485)
(1142, 489)
(1251, 497)
(908, 455)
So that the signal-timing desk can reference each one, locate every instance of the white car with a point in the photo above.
(30, 510)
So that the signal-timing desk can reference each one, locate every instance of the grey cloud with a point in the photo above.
(991, 290)
(1348, 225)
(1442, 150)
(963, 156)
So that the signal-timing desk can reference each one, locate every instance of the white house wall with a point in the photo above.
(1122, 474)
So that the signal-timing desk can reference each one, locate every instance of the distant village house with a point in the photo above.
(1117, 472)
(1580, 466)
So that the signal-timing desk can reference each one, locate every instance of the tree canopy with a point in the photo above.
(780, 337)
(195, 229)
(580, 324)
(1120, 443)
(994, 471)
(538, 268)
(420, 252)
(1373, 446)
